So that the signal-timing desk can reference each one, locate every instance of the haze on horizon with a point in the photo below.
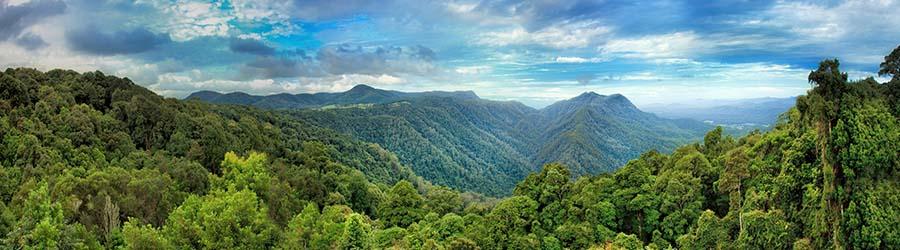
(535, 52)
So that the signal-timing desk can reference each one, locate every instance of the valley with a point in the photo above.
(465, 142)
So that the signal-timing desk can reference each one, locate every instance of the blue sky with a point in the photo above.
(535, 52)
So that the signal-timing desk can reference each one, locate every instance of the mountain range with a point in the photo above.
(755, 111)
(460, 140)
(358, 94)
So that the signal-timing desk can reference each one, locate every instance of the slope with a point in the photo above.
(486, 146)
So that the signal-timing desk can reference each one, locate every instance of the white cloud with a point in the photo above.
(473, 70)
(575, 59)
(190, 19)
(666, 46)
(860, 31)
(561, 36)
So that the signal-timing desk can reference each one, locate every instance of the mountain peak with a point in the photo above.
(592, 100)
(362, 87)
(588, 94)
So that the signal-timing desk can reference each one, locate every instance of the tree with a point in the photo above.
(736, 170)
(707, 234)
(548, 188)
(402, 206)
(356, 233)
(891, 64)
(222, 219)
(627, 241)
(511, 218)
(40, 222)
(139, 237)
(302, 228)
(442, 200)
(244, 173)
(765, 230)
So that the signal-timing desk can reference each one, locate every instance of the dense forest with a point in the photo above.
(92, 161)
(461, 141)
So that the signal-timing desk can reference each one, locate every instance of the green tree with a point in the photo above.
(139, 237)
(627, 241)
(765, 230)
(222, 219)
(708, 233)
(402, 206)
(302, 228)
(442, 200)
(40, 223)
(356, 233)
(891, 64)
(511, 218)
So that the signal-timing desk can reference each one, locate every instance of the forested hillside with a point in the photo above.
(487, 146)
(91, 161)
(358, 94)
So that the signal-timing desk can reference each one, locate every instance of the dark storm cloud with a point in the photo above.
(14, 19)
(278, 67)
(95, 41)
(30, 41)
(250, 46)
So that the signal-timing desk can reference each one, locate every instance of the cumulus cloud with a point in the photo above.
(191, 19)
(16, 18)
(92, 39)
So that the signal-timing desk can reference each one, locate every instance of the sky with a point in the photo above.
(535, 52)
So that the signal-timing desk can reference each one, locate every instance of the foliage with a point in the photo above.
(82, 153)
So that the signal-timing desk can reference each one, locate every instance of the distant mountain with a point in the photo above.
(459, 140)
(759, 111)
(358, 94)
(594, 133)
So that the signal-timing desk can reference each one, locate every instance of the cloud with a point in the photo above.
(30, 41)
(855, 31)
(278, 67)
(92, 40)
(190, 19)
(15, 18)
(349, 59)
(537, 15)
(575, 59)
(473, 70)
(250, 46)
(562, 36)
(673, 45)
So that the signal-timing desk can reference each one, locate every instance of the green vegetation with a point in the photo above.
(91, 162)
(487, 146)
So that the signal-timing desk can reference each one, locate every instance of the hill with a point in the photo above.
(94, 162)
(357, 95)
(465, 142)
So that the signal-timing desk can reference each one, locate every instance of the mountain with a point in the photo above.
(357, 95)
(593, 133)
(462, 141)
(90, 161)
(756, 111)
